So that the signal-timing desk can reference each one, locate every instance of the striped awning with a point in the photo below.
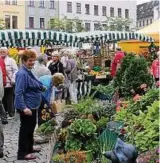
(111, 36)
(24, 38)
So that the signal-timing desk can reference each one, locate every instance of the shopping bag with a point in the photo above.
(58, 106)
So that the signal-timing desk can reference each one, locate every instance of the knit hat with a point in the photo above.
(3, 48)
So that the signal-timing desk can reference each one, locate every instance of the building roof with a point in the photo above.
(145, 10)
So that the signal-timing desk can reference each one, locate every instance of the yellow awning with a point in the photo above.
(152, 30)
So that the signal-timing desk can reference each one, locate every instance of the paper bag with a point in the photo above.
(57, 106)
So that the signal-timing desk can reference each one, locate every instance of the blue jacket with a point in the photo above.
(27, 90)
(46, 80)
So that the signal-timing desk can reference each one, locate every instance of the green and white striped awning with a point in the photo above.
(24, 38)
(111, 36)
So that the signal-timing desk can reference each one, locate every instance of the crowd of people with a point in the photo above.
(36, 82)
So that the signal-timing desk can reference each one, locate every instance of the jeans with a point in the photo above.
(26, 133)
(1, 137)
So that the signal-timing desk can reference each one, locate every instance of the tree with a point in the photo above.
(116, 24)
(56, 24)
(2, 24)
(65, 24)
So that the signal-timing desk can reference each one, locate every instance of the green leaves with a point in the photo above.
(82, 127)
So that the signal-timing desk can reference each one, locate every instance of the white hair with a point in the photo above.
(3, 48)
(55, 54)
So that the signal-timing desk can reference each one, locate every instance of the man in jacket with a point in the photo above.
(12, 69)
(56, 65)
(2, 84)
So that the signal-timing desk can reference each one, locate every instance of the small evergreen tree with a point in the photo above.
(133, 73)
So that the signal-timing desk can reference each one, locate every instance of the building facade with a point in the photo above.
(94, 12)
(147, 13)
(39, 12)
(12, 12)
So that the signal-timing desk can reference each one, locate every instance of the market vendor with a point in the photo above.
(119, 55)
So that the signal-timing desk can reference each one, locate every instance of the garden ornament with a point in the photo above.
(122, 153)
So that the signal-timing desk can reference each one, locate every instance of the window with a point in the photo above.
(14, 22)
(7, 22)
(78, 8)
(150, 21)
(31, 22)
(42, 23)
(69, 7)
(87, 9)
(95, 9)
(52, 4)
(126, 13)
(143, 23)
(104, 13)
(126, 28)
(14, 2)
(7, 2)
(119, 12)
(96, 26)
(112, 12)
(41, 3)
(140, 24)
(147, 22)
(87, 26)
(31, 3)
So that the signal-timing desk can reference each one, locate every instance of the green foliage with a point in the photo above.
(147, 137)
(85, 105)
(106, 90)
(145, 101)
(73, 145)
(116, 23)
(47, 127)
(102, 123)
(82, 127)
(92, 145)
(2, 24)
(132, 73)
(65, 24)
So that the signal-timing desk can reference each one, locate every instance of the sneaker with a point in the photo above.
(10, 118)
(1, 155)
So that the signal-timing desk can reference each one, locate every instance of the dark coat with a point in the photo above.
(56, 67)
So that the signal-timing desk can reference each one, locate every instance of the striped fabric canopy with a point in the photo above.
(24, 38)
(111, 36)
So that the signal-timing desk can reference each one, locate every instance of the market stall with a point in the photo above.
(138, 46)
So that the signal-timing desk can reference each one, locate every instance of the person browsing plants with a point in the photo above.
(27, 100)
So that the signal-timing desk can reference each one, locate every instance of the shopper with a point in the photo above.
(27, 100)
(56, 65)
(2, 84)
(40, 68)
(12, 69)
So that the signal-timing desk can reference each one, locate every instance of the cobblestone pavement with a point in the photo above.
(10, 146)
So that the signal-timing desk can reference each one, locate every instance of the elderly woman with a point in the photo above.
(39, 68)
(56, 65)
(71, 76)
(27, 100)
(54, 85)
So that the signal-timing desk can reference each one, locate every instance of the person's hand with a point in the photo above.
(27, 111)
